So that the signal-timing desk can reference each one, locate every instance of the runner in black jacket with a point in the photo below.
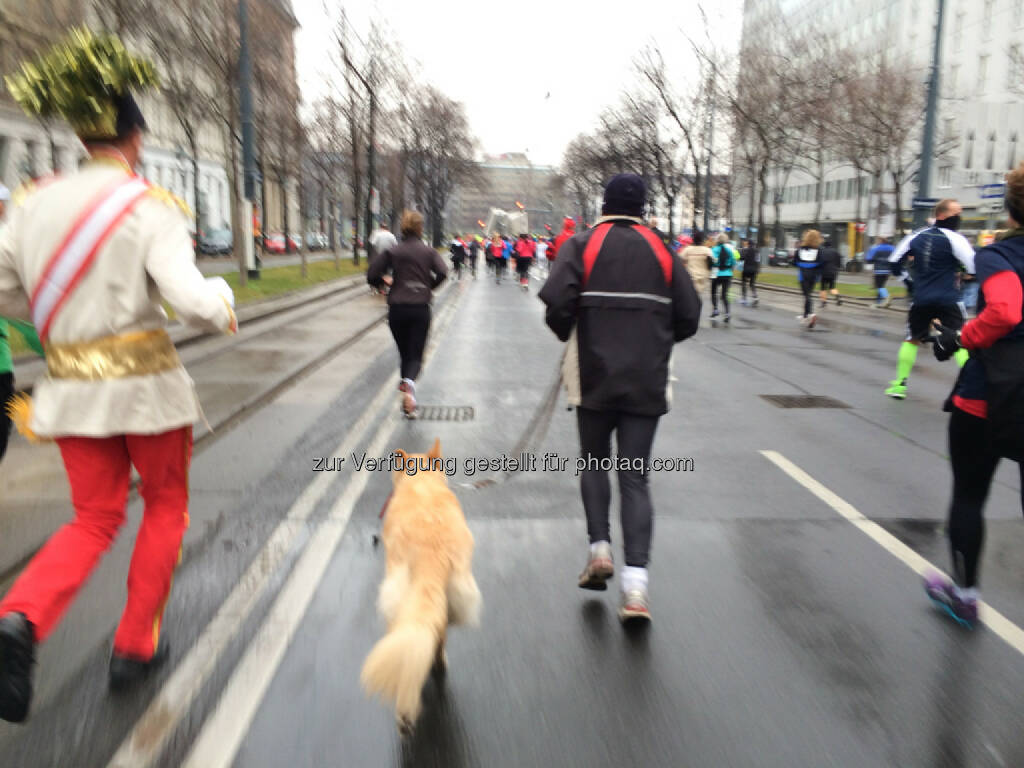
(831, 262)
(622, 301)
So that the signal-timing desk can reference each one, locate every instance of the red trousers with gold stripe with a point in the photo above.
(99, 470)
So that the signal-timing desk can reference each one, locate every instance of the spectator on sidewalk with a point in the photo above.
(621, 300)
(416, 270)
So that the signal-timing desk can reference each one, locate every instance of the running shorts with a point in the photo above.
(919, 319)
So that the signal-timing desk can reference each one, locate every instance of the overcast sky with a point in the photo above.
(533, 73)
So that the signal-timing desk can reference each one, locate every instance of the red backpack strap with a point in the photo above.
(593, 248)
(664, 257)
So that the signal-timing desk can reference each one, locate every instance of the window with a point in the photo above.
(950, 129)
(958, 33)
(828, 190)
(954, 78)
(1013, 69)
(1011, 161)
(990, 157)
(982, 72)
(986, 24)
(946, 176)
(969, 150)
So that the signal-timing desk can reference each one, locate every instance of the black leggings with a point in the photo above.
(974, 465)
(751, 279)
(409, 325)
(808, 279)
(634, 437)
(723, 284)
(6, 390)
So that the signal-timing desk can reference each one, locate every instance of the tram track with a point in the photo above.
(203, 348)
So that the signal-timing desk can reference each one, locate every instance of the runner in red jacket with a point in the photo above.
(568, 230)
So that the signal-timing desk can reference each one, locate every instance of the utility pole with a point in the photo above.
(711, 142)
(924, 175)
(367, 83)
(371, 173)
(247, 259)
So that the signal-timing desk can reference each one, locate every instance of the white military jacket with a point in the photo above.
(111, 367)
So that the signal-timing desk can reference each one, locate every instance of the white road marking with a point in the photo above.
(1009, 632)
(145, 743)
(221, 737)
(225, 729)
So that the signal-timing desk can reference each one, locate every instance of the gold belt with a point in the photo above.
(113, 357)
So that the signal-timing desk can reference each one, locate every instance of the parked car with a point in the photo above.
(216, 242)
(275, 243)
(316, 241)
(780, 258)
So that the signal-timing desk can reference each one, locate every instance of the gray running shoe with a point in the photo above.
(634, 606)
(599, 569)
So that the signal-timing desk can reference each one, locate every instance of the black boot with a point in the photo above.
(17, 657)
(125, 671)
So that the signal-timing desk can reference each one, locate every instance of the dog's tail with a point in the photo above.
(399, 664)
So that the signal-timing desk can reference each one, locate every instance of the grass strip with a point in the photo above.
(273, 281)
(856, 290)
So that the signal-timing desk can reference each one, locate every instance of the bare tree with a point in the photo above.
(444, 155)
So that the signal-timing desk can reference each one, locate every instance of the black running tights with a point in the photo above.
(749, 278)
(808, 279)
(634, 437)
(721, 283)
(974, 465)
(409, 325)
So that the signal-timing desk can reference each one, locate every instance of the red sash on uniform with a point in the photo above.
(77, 252)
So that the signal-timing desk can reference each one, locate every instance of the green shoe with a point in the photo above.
(897, 389)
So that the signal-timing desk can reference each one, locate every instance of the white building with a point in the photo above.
(981, 108)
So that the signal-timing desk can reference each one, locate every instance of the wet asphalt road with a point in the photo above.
(783, 636)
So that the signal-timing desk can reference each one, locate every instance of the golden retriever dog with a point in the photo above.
(428, 584)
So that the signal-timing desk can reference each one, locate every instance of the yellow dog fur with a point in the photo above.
(428, 586)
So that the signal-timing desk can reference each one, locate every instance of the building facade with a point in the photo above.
(981, 110)
(502, 182)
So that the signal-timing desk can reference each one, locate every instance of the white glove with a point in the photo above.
(220, 285)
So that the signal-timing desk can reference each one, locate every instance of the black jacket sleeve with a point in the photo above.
(379, 266)
(685, 302)
(440, 270)
(561, 291)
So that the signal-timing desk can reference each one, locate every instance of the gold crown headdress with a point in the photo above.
(87, 79)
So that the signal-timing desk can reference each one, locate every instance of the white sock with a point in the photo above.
(968, 594)
(411, 384)
(633, 578)
(597, 544)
